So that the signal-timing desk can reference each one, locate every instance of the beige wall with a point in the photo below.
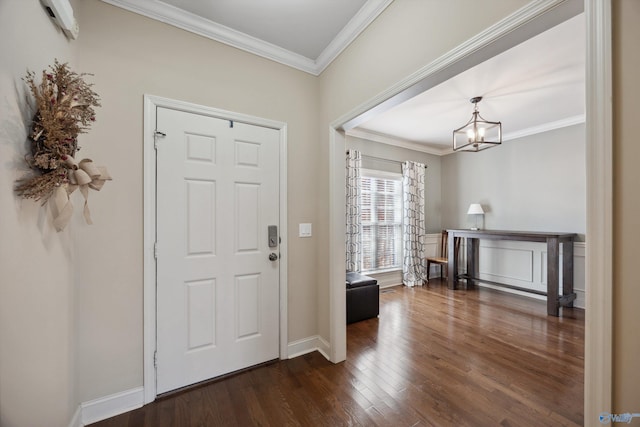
(626, 207)
(71, 302)
(131, 56)
(37, 375)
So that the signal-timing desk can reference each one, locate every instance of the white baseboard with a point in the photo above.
(110, 406)
(579, 302)
(119, 403)
(307, 345)
(324, 348)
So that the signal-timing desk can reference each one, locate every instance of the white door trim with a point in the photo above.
(598, 380)
(151, 102)
(598, 387)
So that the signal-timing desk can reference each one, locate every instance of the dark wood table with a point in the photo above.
(553, 241)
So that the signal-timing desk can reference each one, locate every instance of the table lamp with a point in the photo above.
(475, 209)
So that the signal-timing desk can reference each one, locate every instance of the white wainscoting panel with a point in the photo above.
(387, 278)
(579, 266)
(507, 263)
(394, 278)
(524, 264)
(432, 249)
(513, 263)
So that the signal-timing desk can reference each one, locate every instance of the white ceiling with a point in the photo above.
(303, 27)
(535, 86)
(304, 34)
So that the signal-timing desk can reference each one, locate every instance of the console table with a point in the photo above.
(553, 241)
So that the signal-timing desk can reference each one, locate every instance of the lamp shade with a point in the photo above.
(475, 209)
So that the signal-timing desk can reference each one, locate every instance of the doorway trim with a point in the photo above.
(599, 144)
(151, 103)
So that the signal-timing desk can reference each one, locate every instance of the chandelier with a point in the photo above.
(478, 134)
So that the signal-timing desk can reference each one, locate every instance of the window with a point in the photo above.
(381, 210)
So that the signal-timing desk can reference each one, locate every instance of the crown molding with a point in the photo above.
(545, 127)
(397, 142)
(188, 21)
(361, 20)
(195, 24)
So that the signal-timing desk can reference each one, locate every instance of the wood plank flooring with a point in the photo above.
(434, 357)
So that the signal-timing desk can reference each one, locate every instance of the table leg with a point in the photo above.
(473, 267)
(452, 263)
(553, 267)
(567, 270)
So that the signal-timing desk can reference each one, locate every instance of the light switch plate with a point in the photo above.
(305, 230)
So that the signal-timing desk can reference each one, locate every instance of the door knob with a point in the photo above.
(273, 256)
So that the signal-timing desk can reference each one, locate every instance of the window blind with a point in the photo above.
(381, 210)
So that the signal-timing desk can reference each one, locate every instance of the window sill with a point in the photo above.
(389, 270)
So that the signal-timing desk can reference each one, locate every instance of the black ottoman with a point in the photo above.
(363, 297)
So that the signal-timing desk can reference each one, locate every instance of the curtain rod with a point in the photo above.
(380, 159)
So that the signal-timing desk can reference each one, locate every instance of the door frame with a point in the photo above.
(599, 166)
(151, 103)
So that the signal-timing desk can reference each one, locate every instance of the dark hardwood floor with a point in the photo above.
(434, 357)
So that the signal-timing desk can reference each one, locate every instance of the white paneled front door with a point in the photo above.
(217, 288)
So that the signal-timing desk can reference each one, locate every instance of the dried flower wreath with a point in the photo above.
(64, 105)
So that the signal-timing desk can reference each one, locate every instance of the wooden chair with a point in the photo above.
(442, 257)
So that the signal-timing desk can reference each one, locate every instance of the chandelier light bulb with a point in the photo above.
(477, 134)
(471, 135)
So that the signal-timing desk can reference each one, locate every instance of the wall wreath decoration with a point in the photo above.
(64, 105)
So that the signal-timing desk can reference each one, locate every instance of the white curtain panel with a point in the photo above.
(413, 223)
(353, 188)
